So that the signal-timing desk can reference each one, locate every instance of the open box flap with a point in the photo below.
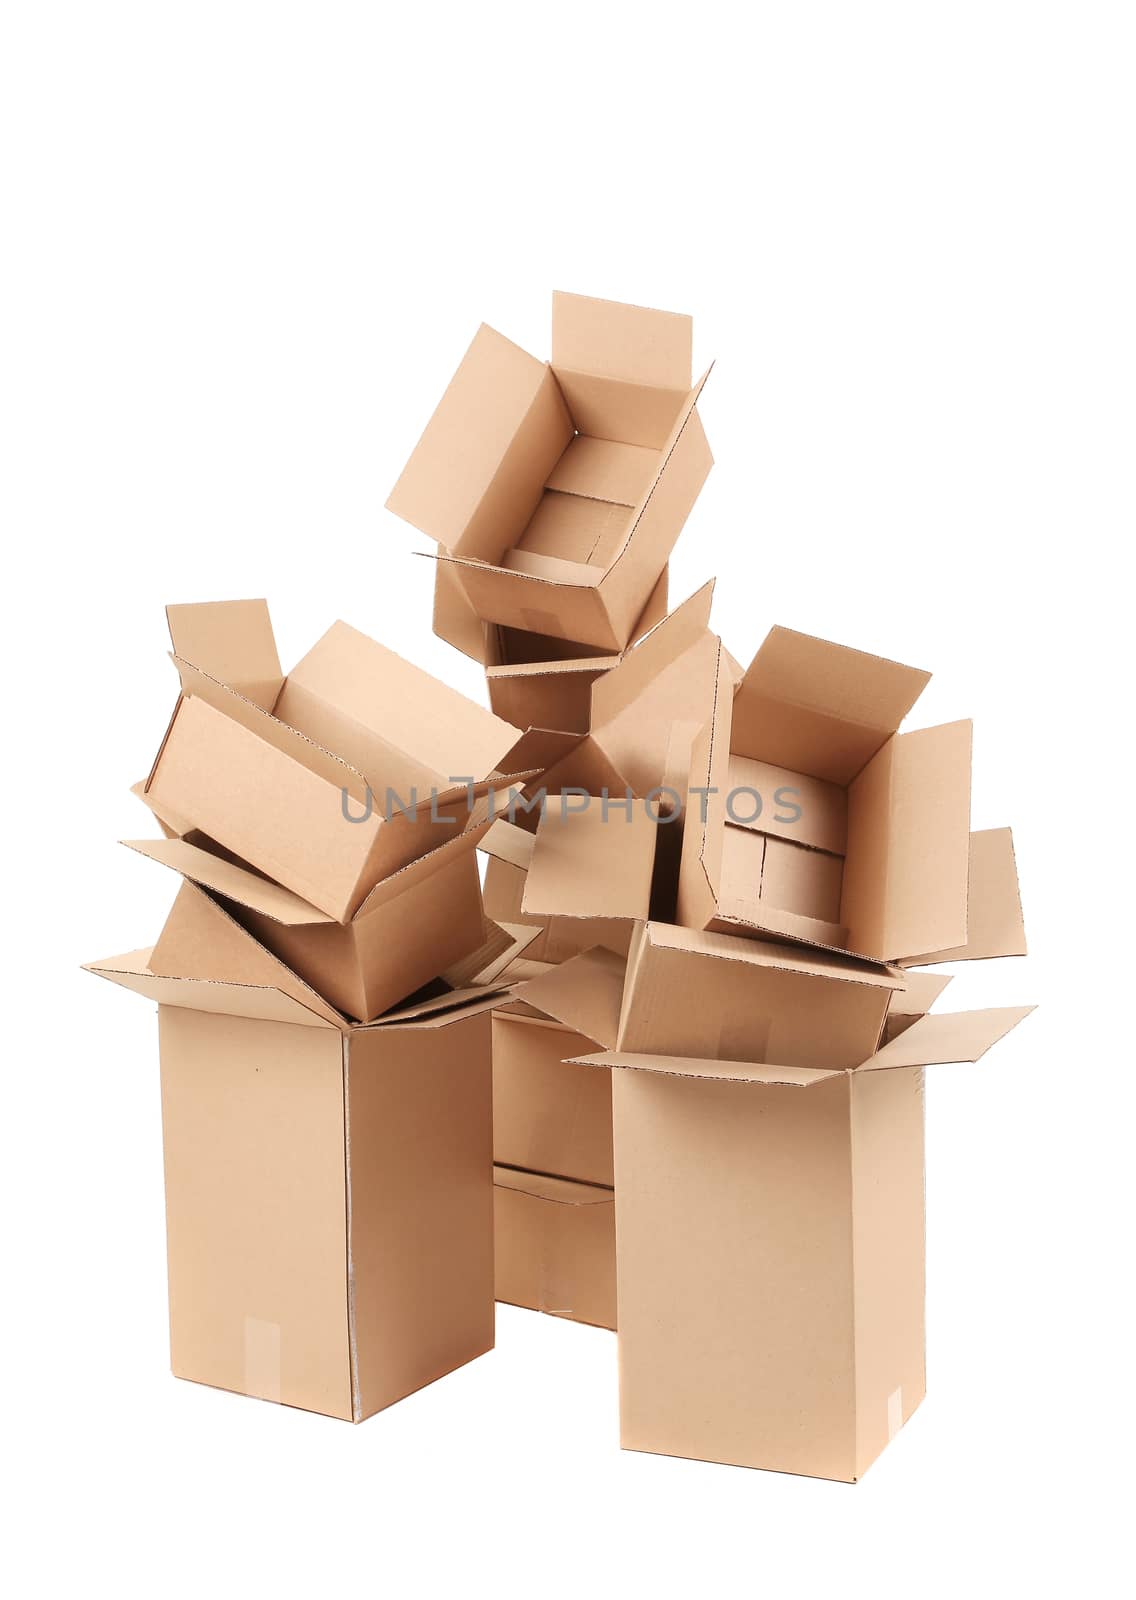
(200, 940)
(500, 945)
(945, 1037)
(585, 994)
(234, 882)
(905, 874)
(447, 736)
(704, 820)
(815, 963)
(132, 971)
(994, 924)
(648, 710)
(479, 468)
(504, 841)
(631, 343)
(710, 1071)
(443, 1009)
(820, 708)
(232, 641)
(591, 860)
(455, 620)
(919, 993)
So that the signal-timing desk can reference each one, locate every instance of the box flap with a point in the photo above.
(820, 708)
(447, 736)
(711, 1071)
(591, 859)
(649, 709)
(782, 957)
(233, 881)
(501, 945)
(584, 994)
(443, 1009)
(232, 641)
(477, 473)
(504, 841)
(994, 925)
(905, 875)
(132, 971)
(918, 995)
(455, 620)
(200, 940)
(947, 1037)
(630, 343)
(704, 820)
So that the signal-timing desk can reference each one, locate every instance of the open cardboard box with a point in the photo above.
(557, 490)
(534, 681)
(410, 929)
(328, 1186)
(768, 1163)
(810, 817)
(312, 778)
(554, 1245)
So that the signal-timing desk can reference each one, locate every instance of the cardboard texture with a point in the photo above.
(550, 1116)
(352, 725)
(770, 1255)
(556, 490)
(811, 817)
(662, 1070)
(328, 1187)
(554, 1246)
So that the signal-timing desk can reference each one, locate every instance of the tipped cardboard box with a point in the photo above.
(554, 1246)
(328, 780)
(328, 1187)
(770, 1247)
(810, 817)
(557, 490)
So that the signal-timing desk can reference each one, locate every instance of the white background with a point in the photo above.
(244, 247)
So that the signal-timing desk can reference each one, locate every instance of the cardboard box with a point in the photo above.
(409, 930)
(328, 1186)
(311, 779)
(770, 1247)
(550, 1117)
(557, 490)
(554, 1246)
(812, 818)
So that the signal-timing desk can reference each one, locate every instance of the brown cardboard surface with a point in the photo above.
(757, 1002)
(994, 907)
(548, 1116)
(584, 994)
(556, 492)
(591, 861)
(554, 1246)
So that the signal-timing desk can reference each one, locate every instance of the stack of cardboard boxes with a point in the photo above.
(662, 1071)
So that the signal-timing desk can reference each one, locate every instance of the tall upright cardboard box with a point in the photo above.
(557, 490)
(329, 1199)
(769, 1216)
